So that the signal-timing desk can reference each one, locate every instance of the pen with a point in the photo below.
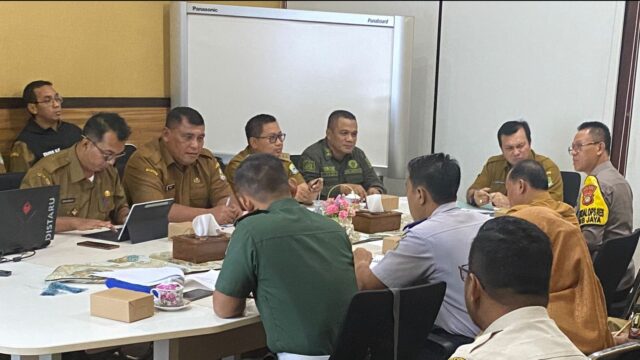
(228, 199)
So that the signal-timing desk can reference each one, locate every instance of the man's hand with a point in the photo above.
(481, 196)
(304, 194)
(358, 189)
(226, 214)
(374, 190)
(315, 186)
(90, 224)
(122, 215)
(500, 200)
(361, 255)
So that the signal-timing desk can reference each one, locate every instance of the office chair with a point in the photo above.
(610, 265)
(11, 181)
(389, 324)
(121, 162)
(295, 159)
(627, 351)
(570, 187)
(632, 298)
(223, 166)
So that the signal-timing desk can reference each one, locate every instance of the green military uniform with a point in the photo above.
(153, 174)
(318, 161)
(289, 167)
(494, 174)
(101, 198)
(302, 310)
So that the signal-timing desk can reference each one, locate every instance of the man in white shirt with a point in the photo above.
(507, 291)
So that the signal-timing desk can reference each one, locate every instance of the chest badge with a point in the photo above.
(353, 164)
(107, 193)
(196, 180)
(74, 212)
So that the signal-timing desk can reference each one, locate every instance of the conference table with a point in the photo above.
(43, 327)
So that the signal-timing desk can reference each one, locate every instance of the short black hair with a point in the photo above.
(599, 132)
(532, 172)
(255, 124)
(103, 122)
(438, 173)
(262, 176)
(174, 117)
(512, 257)
(29, 92)
(337, 115)
(511, 127)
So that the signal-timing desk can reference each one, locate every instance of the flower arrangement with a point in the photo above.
(339, 207)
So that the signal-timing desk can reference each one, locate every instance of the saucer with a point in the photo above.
(185, 305)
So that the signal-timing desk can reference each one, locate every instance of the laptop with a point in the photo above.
(28, 218)
(146, 221)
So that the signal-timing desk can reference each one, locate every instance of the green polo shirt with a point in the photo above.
(299, 265)
(318, 161)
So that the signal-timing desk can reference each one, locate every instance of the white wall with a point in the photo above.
(553, 63)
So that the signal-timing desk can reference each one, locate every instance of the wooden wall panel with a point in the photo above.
(145, 123)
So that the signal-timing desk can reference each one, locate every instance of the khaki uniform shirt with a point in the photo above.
(525, 333)
(100, 199)
(153, 174)
(318, 161)
(289, 167)
(494, 174)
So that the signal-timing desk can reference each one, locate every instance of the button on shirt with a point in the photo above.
(153, 174)
(526, 333)
(431, 251)
(100, 199)
(317, 161)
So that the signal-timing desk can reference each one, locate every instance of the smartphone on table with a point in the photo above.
(197, 294)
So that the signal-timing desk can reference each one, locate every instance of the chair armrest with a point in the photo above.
(447, 346)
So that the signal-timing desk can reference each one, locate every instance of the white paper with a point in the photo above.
(374, 203)
(144, 276)
(206, 225)
(207, 279)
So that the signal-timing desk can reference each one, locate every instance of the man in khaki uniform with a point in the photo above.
(178, 166)
(45, 132)
(264, 136)
(506, 286)
(514, 138)
(91, 195)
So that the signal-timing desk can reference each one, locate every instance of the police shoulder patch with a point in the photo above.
(293, 169)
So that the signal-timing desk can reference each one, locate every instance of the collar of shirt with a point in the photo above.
(440, 209)
(521, 315)
(602, 167)
(165, 154)
(33, 127)
(328, 154)
(283, 204)
(76, 172)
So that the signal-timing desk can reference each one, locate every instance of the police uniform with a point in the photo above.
(153, 174)
(494, 174)
(101, 198)
(289, 167)
(302, 310)
(524, 333)
(34, 143)
(318, 161)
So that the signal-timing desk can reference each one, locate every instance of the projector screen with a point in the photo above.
(231, 63)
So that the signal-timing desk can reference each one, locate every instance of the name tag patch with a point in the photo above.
(68, 201)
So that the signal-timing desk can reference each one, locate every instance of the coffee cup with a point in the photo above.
(168, 294)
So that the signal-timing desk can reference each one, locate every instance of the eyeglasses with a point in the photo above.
(50, 100)
(577, 147)
(464, 271)
(105, 155)
(273, 138)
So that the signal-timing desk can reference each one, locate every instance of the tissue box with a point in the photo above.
(368, 222)
(122, 305)
(181, 228)
(390, 243)
(199, 249)
(390, 202)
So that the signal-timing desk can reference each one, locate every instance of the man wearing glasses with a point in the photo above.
(178, 166)
(338, 161)
(605, 209)
(45, 132)
(264, 136)
(91, 195)
(514, 139)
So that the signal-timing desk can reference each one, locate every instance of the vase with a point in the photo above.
(347, 225)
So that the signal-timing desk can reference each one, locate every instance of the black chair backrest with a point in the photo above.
(368, 329)
(570, 187)
(632, 298)
(121, 162)
(612, 261)
(223, 166)
(295, 159)
(11, 181)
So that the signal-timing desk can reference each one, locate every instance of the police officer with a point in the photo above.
(514, 138)
(45, 132)
(338, 161)
(264, 136)
(91, 195)
(506, 286)
(178, 166)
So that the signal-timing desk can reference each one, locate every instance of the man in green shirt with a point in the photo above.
(338, 161)
(297, 263)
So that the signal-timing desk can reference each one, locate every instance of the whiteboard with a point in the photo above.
(298, 66)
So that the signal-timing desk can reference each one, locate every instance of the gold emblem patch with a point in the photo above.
(107, 193)
(353, 164)
(196, 180)
(74, 212)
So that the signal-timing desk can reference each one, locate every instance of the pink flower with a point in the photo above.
(332, 209)
(343, 214)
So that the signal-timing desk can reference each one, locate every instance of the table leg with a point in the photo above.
(160, 350)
